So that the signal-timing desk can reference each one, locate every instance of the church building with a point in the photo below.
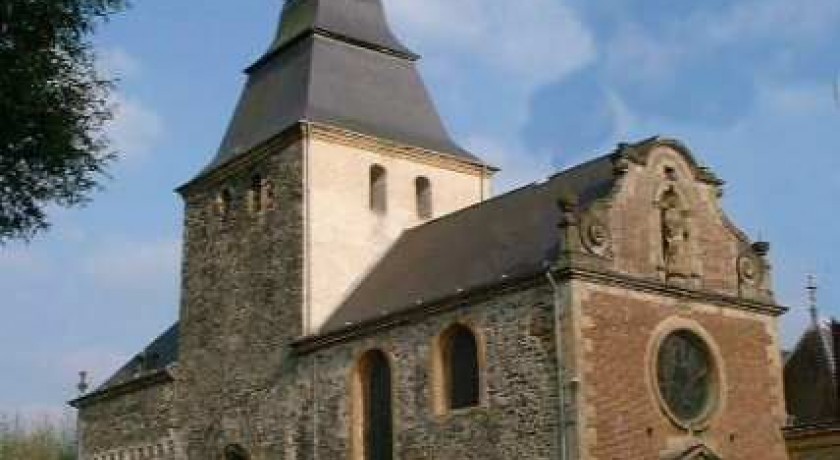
(351, 289)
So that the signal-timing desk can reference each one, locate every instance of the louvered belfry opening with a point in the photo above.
(378, 428)
(378, 189)
(423, 196)
(461, 356)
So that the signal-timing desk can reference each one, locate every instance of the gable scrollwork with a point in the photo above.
(595, 233)
(585, 235)
(690, 449)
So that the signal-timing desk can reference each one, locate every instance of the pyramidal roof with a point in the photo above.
(336, 62)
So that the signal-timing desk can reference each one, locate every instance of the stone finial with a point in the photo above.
(83, 385)
(762, 248)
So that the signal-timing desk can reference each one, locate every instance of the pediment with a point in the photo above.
(695, 452)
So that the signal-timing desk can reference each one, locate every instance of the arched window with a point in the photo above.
(423, 196)
(223, 202)
(268, 194)
(373, 425)
(378, 189)
(236, 452)
(256, 193)
(457, 363)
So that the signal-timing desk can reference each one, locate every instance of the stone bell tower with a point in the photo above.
(334, 149)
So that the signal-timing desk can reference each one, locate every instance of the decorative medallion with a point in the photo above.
(685, 374)
(595, 233)
(598, 234)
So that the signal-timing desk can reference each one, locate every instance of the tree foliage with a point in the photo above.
(45, 438)
(53, 107)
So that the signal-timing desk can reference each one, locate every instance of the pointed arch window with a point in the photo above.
(373, 415)
(423, 197)
(378, 189)
(458, 369)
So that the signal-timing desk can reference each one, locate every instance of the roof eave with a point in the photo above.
(138, 383)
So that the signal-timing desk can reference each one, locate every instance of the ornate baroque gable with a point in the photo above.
(660, 218)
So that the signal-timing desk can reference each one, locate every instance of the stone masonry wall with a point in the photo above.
(242, 279)
(817, 446)
(137, 425)
(518, 418)
(622, 417)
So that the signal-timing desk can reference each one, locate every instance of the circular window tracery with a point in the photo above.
(686, 376)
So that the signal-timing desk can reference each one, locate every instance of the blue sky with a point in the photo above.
(531, 86)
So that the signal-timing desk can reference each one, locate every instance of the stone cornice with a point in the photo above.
(298, 131)
(812, 429)
(386, 147)
(479, 294)
(220, 172)
(670, 290)
(130, 386)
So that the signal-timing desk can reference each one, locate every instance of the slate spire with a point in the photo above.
(360, 22)
(337, 63)
(813, 309)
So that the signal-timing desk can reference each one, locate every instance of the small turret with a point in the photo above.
(83, 384)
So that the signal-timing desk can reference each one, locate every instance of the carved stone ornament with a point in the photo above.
(690, 449)
(595, 233)
(674, 228)
(749, 271)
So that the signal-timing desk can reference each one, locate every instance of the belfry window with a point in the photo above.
(223, 202)
(373, 424)
(268, 194)
(378, 189)
(423, 197)
(256, 193)
(457, 363)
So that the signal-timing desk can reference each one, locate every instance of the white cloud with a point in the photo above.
(536, 42)
(636, 55)
(118, 63)
(794, 20)
(518, 166)
(650, 54)
(133, 267)
(525, 44)
(135, 129)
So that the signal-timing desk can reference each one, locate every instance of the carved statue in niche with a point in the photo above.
(675, 235)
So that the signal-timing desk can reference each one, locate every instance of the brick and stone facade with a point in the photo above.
(569, 288)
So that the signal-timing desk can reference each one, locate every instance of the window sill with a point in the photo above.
(465, 412)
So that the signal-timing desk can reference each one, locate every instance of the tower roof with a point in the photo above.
(360, 21)
(337, 63)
